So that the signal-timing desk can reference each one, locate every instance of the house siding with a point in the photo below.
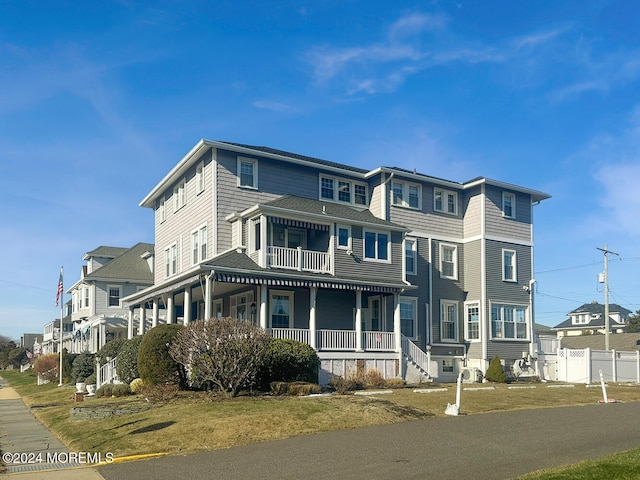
(447, 289)
(518, 228)
(472, 208)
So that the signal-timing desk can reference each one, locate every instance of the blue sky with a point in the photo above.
(99, 100)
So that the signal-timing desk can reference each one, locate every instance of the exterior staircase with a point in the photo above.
(420, 360)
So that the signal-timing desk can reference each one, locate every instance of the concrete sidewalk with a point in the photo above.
(27, 445)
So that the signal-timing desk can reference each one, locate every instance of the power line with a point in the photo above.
(566, 268)
(26, 286)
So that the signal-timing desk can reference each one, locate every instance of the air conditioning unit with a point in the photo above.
(471, 375)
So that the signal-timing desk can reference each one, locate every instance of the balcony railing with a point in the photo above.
(299, 259)
(339, 340)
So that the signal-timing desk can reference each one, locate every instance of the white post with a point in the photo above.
(604, 388)
(358, 320)
(141, 324)
(587, 364)
(397, 332)
(170, 311)
(313, 293)
(263, 306)
(614, 366)
(130, 324)
(187, 306)
(98, 374)
(102, 329)
(299, 258)
(154, 318)
(207, 298)
(638, 366)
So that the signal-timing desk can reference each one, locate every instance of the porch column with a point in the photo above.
(102, 339)
(358, 320)
(207, 297)
(313, 292)
(143, 313)
(170, 309)
(263, 306)
(187, 306)
(154, 317)
(397, 332)
(130, 324)
(263, 242)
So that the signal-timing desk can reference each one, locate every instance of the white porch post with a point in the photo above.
(358, 320)
(207, 298)
(170, 309)
(263, 242)
(102, 328)
(397, 332)
(313, 292)
(187, 306)
(263, 305)
(141, 323)
(130, 324)
(154, 318)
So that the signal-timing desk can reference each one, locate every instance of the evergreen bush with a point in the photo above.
(127, 363)
(83, 367)
(495, 372)
(289, 361)
(155, 364)
(110, 349)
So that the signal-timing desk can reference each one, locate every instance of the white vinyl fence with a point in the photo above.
(584, 366)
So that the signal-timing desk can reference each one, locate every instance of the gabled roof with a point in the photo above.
(129, 265)
(595, 307)
(105, 252)
(330, 211)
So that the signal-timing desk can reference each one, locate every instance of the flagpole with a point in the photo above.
(61, 293)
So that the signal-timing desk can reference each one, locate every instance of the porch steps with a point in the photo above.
(417, 358)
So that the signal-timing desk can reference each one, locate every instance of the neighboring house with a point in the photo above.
(589, 319)
(110, 274)
(621, 342)
(384, 268)
(27, 340)
(50, 340)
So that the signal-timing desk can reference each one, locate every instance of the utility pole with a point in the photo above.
(606, 252)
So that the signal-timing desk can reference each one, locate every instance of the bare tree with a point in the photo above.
(226, 352)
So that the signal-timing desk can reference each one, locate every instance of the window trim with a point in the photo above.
(168, 270)
(180, 195)
(349, 243)
(199, 234)
(162, 207)
(467, 306)
(200, 178)
(405, 195)
(445, 201)
(514, 265)
(441, 248)
(414, 302)
(233, 304)
(283, 293)
(336, 190)
(447, 303)
(512, 306)
(109, 287)
(413, 241)
(254, 163)
(512, 196)
(364, 246)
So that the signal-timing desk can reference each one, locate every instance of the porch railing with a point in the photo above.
(336, 340)
(340, 340)
(107, 373)
(380, 341)
(299, 259)
(415, 354)
(299, 334)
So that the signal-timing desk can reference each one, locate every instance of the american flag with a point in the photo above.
(60, 289)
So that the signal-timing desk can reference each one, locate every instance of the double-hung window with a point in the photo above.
(376, 246)
(171, 260)
(508, 321)
(406, 195)
(508, 205)
(326, 188)
(448, 261)
(445, 201)
(247, 172)
(410, 256)
(408, 316)
(343, 233)
(199, 245)
(179, 196)
(342, 190)
(114, 295)
(200, 177)
(449, 320)
(162, 213)
(509, 273)
(472, 321)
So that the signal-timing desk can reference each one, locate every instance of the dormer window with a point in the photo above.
(445, 201)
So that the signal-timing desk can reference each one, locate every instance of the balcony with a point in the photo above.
(298, 259)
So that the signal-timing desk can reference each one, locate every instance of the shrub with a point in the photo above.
(289, 361)
(373, 378)
(47, 367)
(159, 393)
(495, 373)
(155, 364)
(349, 382)
(226, 352)
(110, 349)
(91, 379)
(294, 388)
(113, 390)
(83, 367)
(67, 364)
(127, 363)
(136, 385)
(395, 383)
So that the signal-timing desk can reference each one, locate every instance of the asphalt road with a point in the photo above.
(489, 446)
